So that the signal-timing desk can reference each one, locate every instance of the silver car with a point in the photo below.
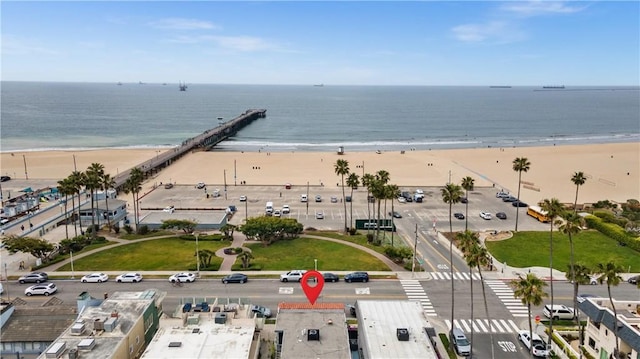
(41, 289)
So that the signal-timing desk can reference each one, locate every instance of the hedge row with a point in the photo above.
(613, 231)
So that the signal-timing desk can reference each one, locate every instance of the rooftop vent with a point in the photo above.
(402, 334)
(56, 350)
(175, 344)
(87, 344)
(98, 324)
(313, 334)
(195, 330)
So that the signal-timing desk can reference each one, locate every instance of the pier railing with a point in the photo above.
(203, 141)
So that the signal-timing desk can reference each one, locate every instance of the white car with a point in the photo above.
(184, 277)
(1, 288)
(539, 346)
(243, 198)
(200, 185)
(286, 209)
(169, 209)
(41, 289)
(485, 215)
(276, 213)
(292, 276)
(319, 215)
(402, 199)
(95, 278)
(129, 278)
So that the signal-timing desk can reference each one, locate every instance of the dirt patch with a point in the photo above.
(499, 236)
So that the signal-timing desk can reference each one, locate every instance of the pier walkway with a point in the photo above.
(203, 141)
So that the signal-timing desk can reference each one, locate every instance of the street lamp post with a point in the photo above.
(72, 272)
(197, 257)
(246, 210)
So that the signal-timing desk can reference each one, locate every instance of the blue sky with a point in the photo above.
(334, 43)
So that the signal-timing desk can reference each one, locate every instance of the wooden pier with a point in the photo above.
(202, 142)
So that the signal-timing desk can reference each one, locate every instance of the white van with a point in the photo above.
(304, 198)
(269, 208)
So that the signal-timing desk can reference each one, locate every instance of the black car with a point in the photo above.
(235, 278)
(464, 200)
(519, 204)
(35, 277)
(395, 214)
(330, 277)
(501, 215)
(634, 279)
(5, 178)
(357, 277)
(458, 215)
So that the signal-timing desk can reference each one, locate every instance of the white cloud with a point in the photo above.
(495, 31)
(183, 24)
(236, 43)
(12, 45)
(539, 7)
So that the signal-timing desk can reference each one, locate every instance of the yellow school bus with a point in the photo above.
(538, 213)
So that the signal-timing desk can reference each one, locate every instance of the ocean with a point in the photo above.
(43, 116)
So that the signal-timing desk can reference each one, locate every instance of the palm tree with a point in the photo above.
(578, 179)
(468, 244)
(246, 258)
(610, 273)
(381, 179)
(352, 181)
(451, 194)
(77, 181)
(571, 226)
(342, 168)
(554, 208)
(467, 185)
(94, 174)
(391, 193)
(137, 177)
(367, 181)
(107, 182)
(520, 164)
(579, 275)
(65, 187)
(530, 290)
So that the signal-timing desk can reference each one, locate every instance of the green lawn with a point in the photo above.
(300, 254)
(528, 249)
(159, 254)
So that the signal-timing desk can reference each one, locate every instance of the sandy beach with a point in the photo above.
(612, 170)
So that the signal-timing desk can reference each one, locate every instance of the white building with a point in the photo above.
(393, 329)
(599, 338)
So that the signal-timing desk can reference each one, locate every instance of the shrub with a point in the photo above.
(353, 231)
(613, 231)
(142, 230)
(128, 229)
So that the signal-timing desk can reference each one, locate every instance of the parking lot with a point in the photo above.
(431, 210)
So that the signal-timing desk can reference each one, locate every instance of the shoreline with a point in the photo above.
(612, 169)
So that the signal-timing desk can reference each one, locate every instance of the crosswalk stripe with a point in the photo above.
(484, 325)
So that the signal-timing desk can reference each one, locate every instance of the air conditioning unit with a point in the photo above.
(77, 329)
(313, 334)
(402, 334)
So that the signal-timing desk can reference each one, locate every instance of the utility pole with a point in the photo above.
(415, 251)
(234, 173)
(225, 184)
(24, 159)
(307, 198)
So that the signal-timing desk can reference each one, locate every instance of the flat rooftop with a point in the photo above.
(299, 325)
(203, 337)
(378, 322)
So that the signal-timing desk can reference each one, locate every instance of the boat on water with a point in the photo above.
(119, 83)
(553, 87)
(182, 86)
(319, 85)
